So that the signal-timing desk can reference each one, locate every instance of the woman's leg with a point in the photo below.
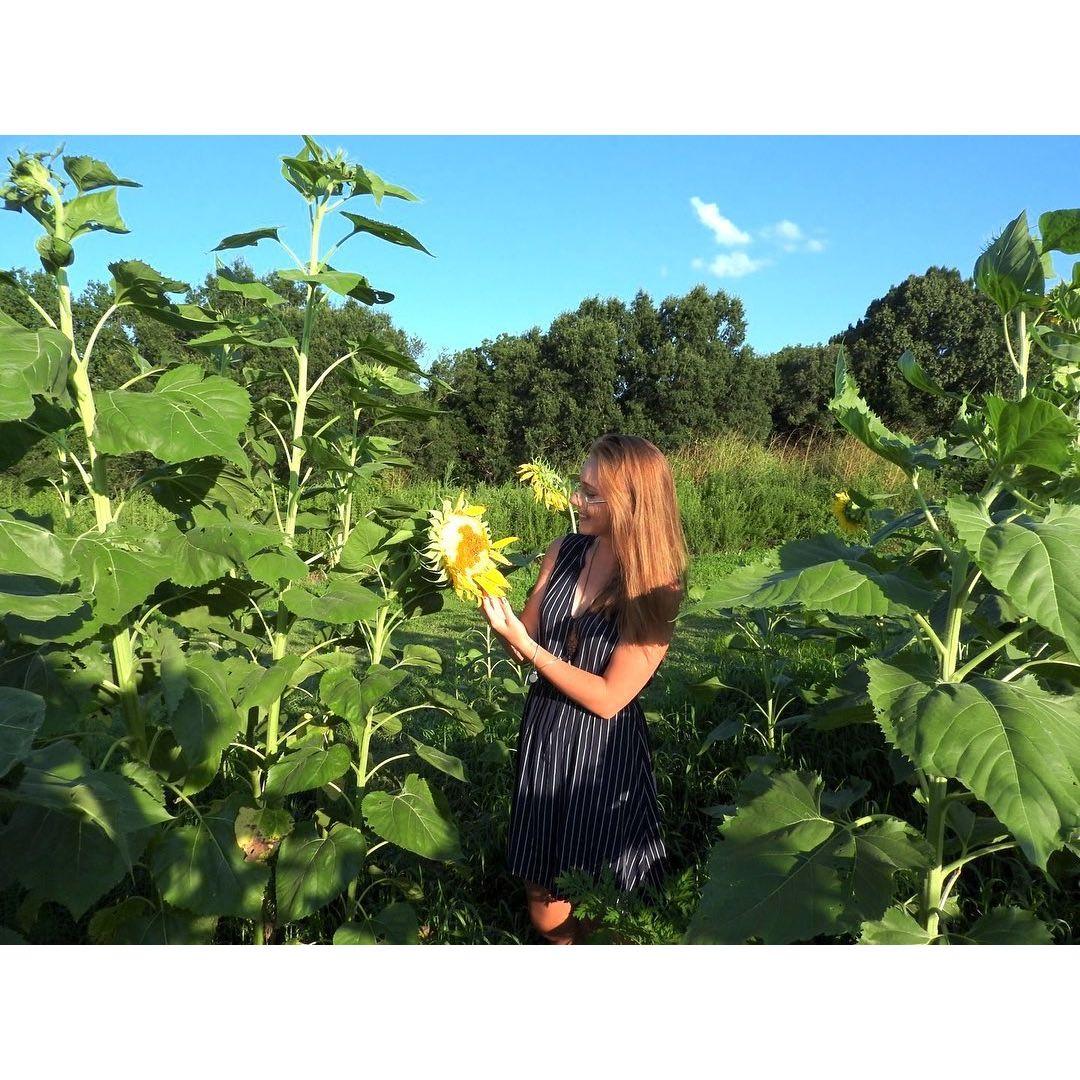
(554, 919)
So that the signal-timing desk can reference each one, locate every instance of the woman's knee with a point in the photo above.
(551, 917)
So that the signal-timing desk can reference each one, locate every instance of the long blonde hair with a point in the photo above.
(647, 538)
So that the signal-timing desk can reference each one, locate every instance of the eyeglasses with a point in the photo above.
(588, 500)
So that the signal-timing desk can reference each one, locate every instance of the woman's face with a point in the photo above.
(593, 517)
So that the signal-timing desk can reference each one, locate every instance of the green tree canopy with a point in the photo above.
(953, 332)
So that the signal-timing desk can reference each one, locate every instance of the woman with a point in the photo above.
(595, 627)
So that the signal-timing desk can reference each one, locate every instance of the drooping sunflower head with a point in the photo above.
(849, 515)
(461, 553)
(546, 484)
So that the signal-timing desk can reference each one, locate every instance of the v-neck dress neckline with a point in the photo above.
(586, 548)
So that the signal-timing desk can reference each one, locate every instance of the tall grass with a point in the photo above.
(734, 495)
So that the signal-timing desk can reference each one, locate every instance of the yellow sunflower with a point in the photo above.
(461, 553)
(546, 484)
(850, 521)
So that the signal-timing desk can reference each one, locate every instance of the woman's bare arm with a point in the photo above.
(631, 666)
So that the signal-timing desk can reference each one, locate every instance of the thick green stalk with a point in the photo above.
(937, 797)
(1025, 351)
(935, 834)
(281, 633)
(122, 654)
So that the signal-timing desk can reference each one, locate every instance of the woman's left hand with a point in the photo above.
(505, 623)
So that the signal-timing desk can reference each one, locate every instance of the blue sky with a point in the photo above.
(806, 230)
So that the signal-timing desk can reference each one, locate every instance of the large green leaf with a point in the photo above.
(203, 718)
(27, 548)
(120, 568)
(421, 656)
(352, 933)
(138, 283)
(259, 832)
(21, 715)
(365, 537)
(446, 763)
(247, 239)
(90, 173)
(201, 869)
(780, 872)
(882, 849)
(188, 415)
(62, 857)
(19, 437)
(272, 683)
(1006, 926)
(89, 213)
(274, 566)
(391, 233)
(1030, 432)
(313, 868)
(895, 927)
(36, 599)
(1015, 746)
(1059, 230)
(1011, 268)
(1036, 564)
(58, 777)
(139, 921)
(344, 601)
(413, 820)
(354, 286)
(375, 347)
(396, 924)
(855, 416)
(469, 719)
(75, 831)
(912, 371)
(822, 574)
(217, 544)
(366, 182)
(203, 481)
(306, 768)
(970, 520)
(31, 362)
(250, 290)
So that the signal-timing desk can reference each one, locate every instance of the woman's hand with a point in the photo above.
(506, 624)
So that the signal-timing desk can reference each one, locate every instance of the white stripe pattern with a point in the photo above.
(584, 790)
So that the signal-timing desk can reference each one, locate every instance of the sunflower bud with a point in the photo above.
(31, 176)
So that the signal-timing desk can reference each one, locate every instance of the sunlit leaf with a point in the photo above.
(413, 820)
(314, 868)
(1014, 745)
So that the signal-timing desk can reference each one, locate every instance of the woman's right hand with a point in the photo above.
(511, 649)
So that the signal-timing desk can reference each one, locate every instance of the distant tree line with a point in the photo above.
(682, 370)
(672, 372)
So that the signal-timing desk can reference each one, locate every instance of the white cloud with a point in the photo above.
(737, 264)
(788, 230)
(790, 237)
(723, 229)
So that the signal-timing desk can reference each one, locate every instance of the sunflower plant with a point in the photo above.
(149, 681)
(968, 659)
(461, 553)
(548, 487)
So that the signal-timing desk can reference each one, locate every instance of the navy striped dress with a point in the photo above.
(584, 791)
